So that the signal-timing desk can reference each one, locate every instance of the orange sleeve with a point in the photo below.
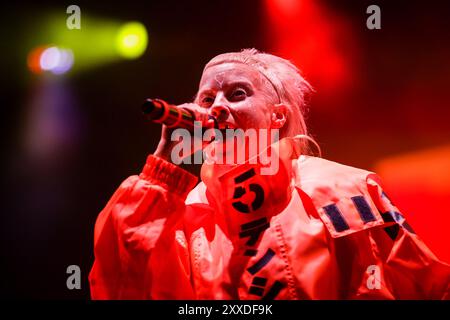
(139, 244)
(409, 268)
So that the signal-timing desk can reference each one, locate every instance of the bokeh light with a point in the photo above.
(131, 40)
(65, 61)
(34, 59)
(53, 59)
(50, 58)
(101, 41)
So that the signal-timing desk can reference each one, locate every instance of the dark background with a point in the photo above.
(388, 97)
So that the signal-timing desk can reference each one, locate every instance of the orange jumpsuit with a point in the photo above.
(315, 230)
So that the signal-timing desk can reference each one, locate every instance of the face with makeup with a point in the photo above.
(245, 95)
(239, 96)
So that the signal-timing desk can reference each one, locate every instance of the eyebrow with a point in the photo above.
(246, 84)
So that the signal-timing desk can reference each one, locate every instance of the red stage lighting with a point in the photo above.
(320, 42)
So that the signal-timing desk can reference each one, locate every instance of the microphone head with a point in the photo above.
(152, 108)
(159, 111)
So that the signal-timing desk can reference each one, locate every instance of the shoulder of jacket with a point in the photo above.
(318, 169)
(339, 194)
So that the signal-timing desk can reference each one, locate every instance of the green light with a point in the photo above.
(100, 41)
(131, 40)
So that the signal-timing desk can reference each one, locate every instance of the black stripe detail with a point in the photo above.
(274, 290)
(250, 252)
(392, 231)
(384, 195)
(259, 196)
(398, 217)
(253, 234)
(245, 176)
(262, 262)
(387, 217)
(408, 227)
(253, 224)
(257, 291)
(336, 218)
(395, 216)
(238, 192)
(363, 208)
(259, 281)
(241, 207)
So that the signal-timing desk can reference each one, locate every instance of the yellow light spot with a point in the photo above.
(131, 40)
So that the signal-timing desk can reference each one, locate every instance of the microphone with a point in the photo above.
(172, 116)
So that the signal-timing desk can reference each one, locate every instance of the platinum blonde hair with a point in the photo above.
(289, 85)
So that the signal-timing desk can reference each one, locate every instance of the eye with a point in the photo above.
(238, 94)
(207, 101)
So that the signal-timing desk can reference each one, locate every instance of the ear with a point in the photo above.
(279, 116)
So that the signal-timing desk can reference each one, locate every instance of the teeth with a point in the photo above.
(226, 126)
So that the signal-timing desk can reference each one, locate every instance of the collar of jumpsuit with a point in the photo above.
(245, 209)
(253, 190)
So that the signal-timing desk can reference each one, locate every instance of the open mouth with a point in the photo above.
(226, 125)
(223, 129)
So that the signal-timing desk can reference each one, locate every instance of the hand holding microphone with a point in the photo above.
(173, 117)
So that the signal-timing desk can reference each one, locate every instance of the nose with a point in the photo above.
(219, 109)
(220, 112)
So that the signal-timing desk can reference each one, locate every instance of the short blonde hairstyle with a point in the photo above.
(290, 86)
